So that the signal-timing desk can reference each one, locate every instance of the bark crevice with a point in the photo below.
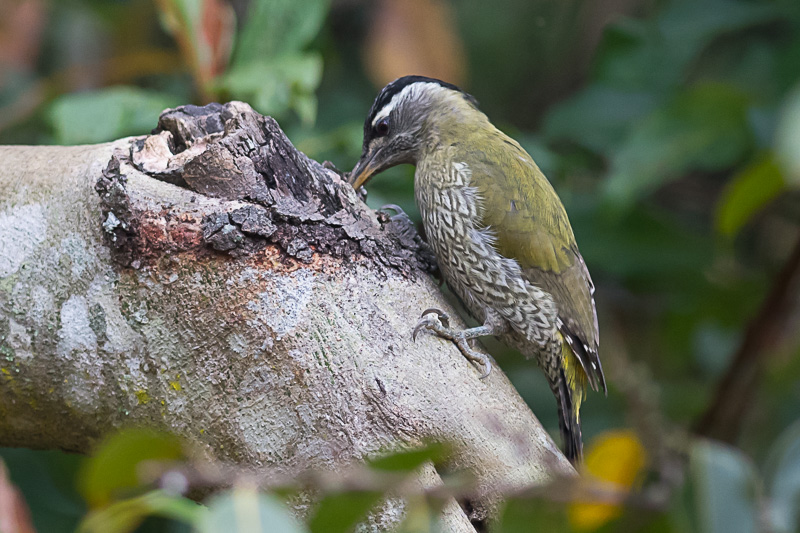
(277, 195)
(263, 325)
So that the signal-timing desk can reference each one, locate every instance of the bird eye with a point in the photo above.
(382, 128)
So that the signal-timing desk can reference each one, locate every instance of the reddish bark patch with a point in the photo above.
(267, 194)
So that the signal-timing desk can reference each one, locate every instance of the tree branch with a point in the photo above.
(224, 287)
(724, 416)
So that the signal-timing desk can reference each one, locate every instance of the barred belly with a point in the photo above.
(486, 281)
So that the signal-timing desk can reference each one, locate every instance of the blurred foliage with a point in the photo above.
(93, 66)
(113, 469)
(723, 492)
(86, 117)
(670, 128)
(416, 36)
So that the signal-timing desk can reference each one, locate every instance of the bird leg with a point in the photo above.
(438, 322)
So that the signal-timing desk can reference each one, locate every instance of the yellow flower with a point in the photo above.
(615, 458)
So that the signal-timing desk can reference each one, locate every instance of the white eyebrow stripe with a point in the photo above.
(409, 91)
(384, 112)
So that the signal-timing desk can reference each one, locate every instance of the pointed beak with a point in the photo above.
(363, 171)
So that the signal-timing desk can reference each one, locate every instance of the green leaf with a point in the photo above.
(725, 488)
(703, 128)
(305, 105)
(245, 510)
(422, 515)
(647, 245)
(204, 30)
(749, 191)
(106, 114)
(340, 512)
(783, 481)
(269, 68)
(113, 469)
(690, 25)
(597, 117)
(124, 516)
(523, 515)
(639, 521)
(47, 482)
(656, 54)
(787, 138)
(626, 54)
(409, 460)
(278, 27)
(274, 86)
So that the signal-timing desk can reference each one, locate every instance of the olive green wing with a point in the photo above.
(531, 226)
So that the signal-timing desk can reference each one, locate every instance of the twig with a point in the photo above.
(734, 395)
(200, 478)
(666, 445)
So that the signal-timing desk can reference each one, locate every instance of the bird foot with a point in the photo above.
(394, 207)
(401, 221)
(438, 322)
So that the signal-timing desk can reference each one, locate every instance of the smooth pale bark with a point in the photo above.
(266, 327)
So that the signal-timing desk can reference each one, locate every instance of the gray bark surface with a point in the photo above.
(212, 281)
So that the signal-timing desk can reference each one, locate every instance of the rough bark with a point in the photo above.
(212, 281)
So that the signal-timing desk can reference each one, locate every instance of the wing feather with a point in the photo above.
(531, 226)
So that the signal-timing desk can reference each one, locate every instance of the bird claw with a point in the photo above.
(443, 317)
(393, 207)
(420, 325)
(434, 320)
(438, 321)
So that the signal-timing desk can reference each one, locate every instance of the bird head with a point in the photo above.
(402, 120)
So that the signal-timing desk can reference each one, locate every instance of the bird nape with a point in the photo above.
(500, 234)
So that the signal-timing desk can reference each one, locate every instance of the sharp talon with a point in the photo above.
(430, 322)
(394, 207)
(416, 331)
(488, 370)
(444, 318)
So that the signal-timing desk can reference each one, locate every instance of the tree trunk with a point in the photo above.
(212, 281)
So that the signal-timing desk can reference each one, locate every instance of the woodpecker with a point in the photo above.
(499, 232)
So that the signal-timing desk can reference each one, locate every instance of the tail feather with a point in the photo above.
(568, 419)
